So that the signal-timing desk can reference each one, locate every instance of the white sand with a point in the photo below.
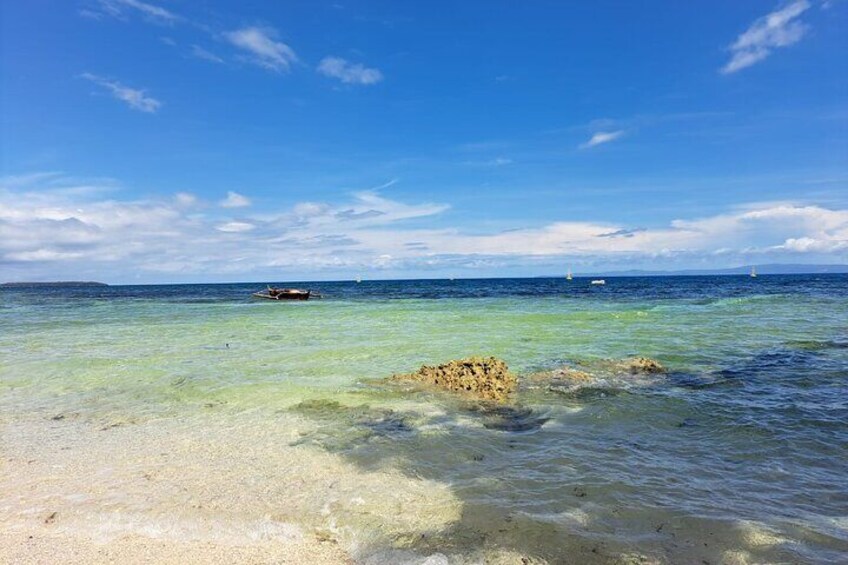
(43, 547)
(218, 490)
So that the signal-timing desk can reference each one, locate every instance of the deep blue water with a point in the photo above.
(617, 288)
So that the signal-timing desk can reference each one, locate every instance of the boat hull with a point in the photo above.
(300, 295)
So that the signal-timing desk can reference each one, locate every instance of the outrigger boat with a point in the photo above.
(284, 294)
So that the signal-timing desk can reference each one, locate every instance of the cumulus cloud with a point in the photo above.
(602, 137)
(46, 230)
(347, 72)
(809, 244)
(136, 99)
(263, 48)
(234, 200)
(780, 28)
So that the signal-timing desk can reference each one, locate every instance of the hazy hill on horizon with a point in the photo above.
(764, 269)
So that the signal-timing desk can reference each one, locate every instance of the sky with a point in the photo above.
(192, 141)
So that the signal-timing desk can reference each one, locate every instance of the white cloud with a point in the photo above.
(42, 255)
(29, 179)
(136, 99)
(780, 28)
(234, 200)
(602, 137)
(347, 72)
(309, 209)
(121, 8)
(44, 230)
(235, 227)
(809, 244)
(201, 53)
(263, 47)
(185, 199)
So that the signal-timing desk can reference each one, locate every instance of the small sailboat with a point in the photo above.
(753, 272)
(358, 279)
(568, 276)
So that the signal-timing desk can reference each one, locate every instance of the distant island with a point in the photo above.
(766, 269)
(53, 283)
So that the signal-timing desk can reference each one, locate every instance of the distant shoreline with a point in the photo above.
(762, 270)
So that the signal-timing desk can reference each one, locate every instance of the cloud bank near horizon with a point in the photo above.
(56, 227)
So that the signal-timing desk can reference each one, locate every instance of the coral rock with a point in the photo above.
(488, 378)
(642, 365)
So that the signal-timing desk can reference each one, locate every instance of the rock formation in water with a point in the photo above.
(484, 377)
(608, 373)
(571, 374)
(641, 365)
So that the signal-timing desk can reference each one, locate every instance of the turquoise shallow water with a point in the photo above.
(740, 447)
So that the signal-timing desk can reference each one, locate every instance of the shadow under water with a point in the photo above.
(665, 473)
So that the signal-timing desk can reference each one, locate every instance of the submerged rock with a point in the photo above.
(509, 418)
(818, 345)
(344, 428)
(641, 365)
(485, 377)
(389, 423)
(596, 378)
(571, 374)
(586, 393)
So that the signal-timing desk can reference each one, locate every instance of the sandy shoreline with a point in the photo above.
(101, 490)
(42, 547)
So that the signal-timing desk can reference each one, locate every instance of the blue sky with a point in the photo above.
(187, 141)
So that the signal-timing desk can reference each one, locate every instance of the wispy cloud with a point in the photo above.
(602, 137)
(234, 200)
(779, 28)
(347, 72)
(496, 162)
(386, 184)
(263, 48)
(121, 9)
(136, 99)
(201, 53)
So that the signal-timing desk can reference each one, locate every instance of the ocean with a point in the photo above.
(196, 412)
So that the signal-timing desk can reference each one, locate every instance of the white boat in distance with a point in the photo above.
(599, 281)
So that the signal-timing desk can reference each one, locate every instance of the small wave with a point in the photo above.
(818, 345)
(750, 299)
